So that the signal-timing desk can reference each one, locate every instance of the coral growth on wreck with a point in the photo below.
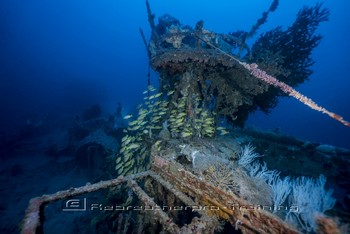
(178, 51)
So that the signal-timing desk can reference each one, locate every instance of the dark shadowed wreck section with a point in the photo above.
(192, 60)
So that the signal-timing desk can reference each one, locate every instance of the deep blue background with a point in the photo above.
(60, 56)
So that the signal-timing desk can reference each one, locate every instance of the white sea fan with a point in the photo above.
(311, 199)
(253, 168)
(281, 188)
(267, 175)
(247, 155)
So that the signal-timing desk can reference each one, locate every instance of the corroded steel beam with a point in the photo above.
(220, 203)
(32, 221)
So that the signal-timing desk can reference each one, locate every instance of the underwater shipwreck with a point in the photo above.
(183, 165)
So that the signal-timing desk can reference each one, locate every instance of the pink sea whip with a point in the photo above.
(262, 75)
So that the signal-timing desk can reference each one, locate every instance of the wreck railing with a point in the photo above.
(198, 194)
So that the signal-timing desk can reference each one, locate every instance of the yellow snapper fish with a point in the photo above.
(127, 116)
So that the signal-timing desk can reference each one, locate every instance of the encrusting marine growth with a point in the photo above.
(262, 75)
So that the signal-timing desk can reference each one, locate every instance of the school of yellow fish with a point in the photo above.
(141, 133)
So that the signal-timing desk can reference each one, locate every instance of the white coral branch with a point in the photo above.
(311, 198)
(247, 155)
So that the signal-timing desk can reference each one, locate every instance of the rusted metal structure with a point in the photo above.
(193, 65)
(210, 203)
(197, 195)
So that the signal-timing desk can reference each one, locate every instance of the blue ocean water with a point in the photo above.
(58, 57)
